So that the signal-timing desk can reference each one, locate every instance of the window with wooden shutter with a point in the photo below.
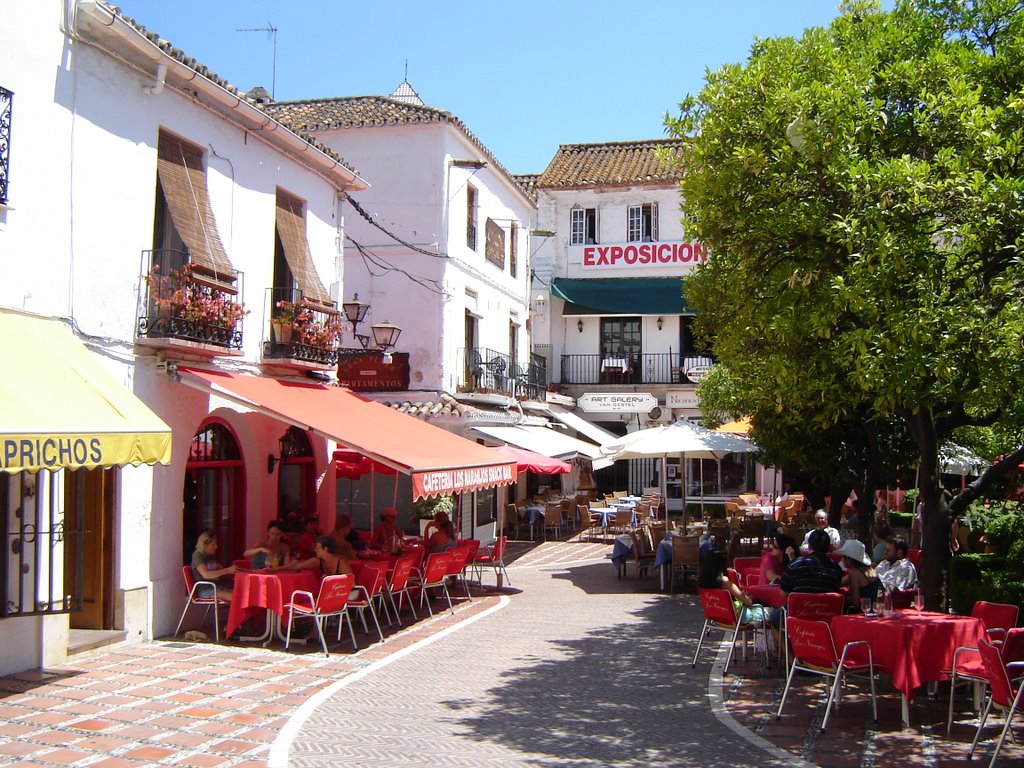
(182, 178)
(291, 231)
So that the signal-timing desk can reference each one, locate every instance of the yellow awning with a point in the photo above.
(59, 408)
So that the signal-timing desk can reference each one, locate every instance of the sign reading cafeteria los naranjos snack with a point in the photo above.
(367, 372)
(638, 258)
(441, 481)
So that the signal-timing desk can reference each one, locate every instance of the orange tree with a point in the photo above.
(861, 194)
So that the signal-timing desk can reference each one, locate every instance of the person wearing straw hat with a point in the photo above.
(860, 578)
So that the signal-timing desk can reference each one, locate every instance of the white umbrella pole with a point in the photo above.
(664, 488)
(373, 487)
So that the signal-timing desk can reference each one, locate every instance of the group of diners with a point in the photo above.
(819, 567)
(329, 554)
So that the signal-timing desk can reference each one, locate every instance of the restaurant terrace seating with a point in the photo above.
(398, 585)
(685, 558)
(434, 576)
(640, 556)
(492, 557)
(720, 613)
(370, 583)
(193, 598)
(997, 617)
(459, 557)
(552, 520)
(1004, 696)
(332, 600)
(814, 653)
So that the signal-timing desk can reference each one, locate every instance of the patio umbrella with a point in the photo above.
(682, 438)
(534, 462)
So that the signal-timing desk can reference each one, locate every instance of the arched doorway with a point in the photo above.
(213, 496)
(296, 496)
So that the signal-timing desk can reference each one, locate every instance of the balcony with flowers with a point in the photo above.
(301, 333)
(186, 308)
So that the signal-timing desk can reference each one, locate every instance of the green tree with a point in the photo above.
(861, 194)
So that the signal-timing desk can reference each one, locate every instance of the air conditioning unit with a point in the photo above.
(654, 416)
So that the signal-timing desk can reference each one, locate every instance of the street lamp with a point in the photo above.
(355, 311)
(385, 335)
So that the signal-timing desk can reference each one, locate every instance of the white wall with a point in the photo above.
(419, 196)
(80, 214)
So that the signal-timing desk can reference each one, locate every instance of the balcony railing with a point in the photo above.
(300, 331)
(186, 305)
(487, 370)
(647, 368)
(6, 103)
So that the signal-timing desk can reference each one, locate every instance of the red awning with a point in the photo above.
(353, 465)
(438, 461)
(532, 461)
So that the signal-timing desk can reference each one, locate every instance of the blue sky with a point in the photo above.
(525, 77)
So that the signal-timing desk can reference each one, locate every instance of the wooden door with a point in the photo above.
(89, 509)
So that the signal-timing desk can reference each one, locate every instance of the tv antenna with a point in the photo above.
(271, 31)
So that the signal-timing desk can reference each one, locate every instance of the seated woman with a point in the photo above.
(326, 558)
(775, 559)
(860, 578)
(206, 568)
(271, 551)
(387, 536)
(439, 534)
(712, 576)
(305, 545)
(343, 535)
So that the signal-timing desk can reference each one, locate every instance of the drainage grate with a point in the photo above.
(178, 645)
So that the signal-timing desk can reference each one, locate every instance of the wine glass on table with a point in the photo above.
(918, 601)
(866, 606)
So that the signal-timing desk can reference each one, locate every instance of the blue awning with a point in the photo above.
(621, 296)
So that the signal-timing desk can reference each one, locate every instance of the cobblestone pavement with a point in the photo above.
(580, 669)
(569, 666)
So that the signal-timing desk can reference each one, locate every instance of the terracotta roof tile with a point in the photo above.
(372, 111)
(201, 70)
(426, 410)
(610, 164)
(528, 181)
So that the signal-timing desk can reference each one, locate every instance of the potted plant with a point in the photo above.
(288, 317)
(425, 509)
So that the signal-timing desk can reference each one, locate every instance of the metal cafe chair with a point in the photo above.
(193, 587)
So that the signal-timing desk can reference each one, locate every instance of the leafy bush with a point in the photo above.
(427, 508)
(1003, 524)
(910, 501)
(900, 520)
(976, 577)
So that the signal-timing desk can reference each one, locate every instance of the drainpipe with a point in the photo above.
(161, 79)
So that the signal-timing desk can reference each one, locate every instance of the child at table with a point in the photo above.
(712, 576)
(439, 534)
(206, 568)
(774, 561)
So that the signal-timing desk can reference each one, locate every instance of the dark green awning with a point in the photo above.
(621, 296)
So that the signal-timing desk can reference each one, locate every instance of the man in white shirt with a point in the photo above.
(896, 571)
(821, 524)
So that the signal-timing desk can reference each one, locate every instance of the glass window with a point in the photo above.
(620, 337)
(471, 216)
(642, 223)
(582, 226)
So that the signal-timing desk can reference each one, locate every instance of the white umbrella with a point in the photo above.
(682, 438)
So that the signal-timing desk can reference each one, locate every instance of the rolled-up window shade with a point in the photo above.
(291, 228)
(183, 180)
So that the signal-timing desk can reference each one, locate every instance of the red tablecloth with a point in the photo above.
(768, 594)
(914, 647)
(266, 589)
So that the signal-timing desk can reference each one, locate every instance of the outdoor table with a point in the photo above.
(608, 515)
(913, 647)
(767, 594)
(663, 557)
(621, 549)
(269, 590)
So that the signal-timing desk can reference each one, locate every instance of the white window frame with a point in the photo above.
(578, 233)
(642, 223)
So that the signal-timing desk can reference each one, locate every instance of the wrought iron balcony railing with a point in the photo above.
(301, 330)
(487, 370)
(645, 368)
(187, 305)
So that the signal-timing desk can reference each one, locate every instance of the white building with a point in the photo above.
(438, 245)
(609, 299)
(162, 216)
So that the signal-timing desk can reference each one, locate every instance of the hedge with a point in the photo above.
(974, 577)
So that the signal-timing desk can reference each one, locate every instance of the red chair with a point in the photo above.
(332, 600)
(997, 618)
(1004, 696)
(193, 588)
(459, 557)
(914, 556)
(720, 613)
(814, 652)
(370, 584)
(492, 557)
(734, 576)
(398, 584)
(967, 666)
(742, 564)
(434, 576)
(814, 606)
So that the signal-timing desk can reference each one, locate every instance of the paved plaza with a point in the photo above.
(569, 666)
